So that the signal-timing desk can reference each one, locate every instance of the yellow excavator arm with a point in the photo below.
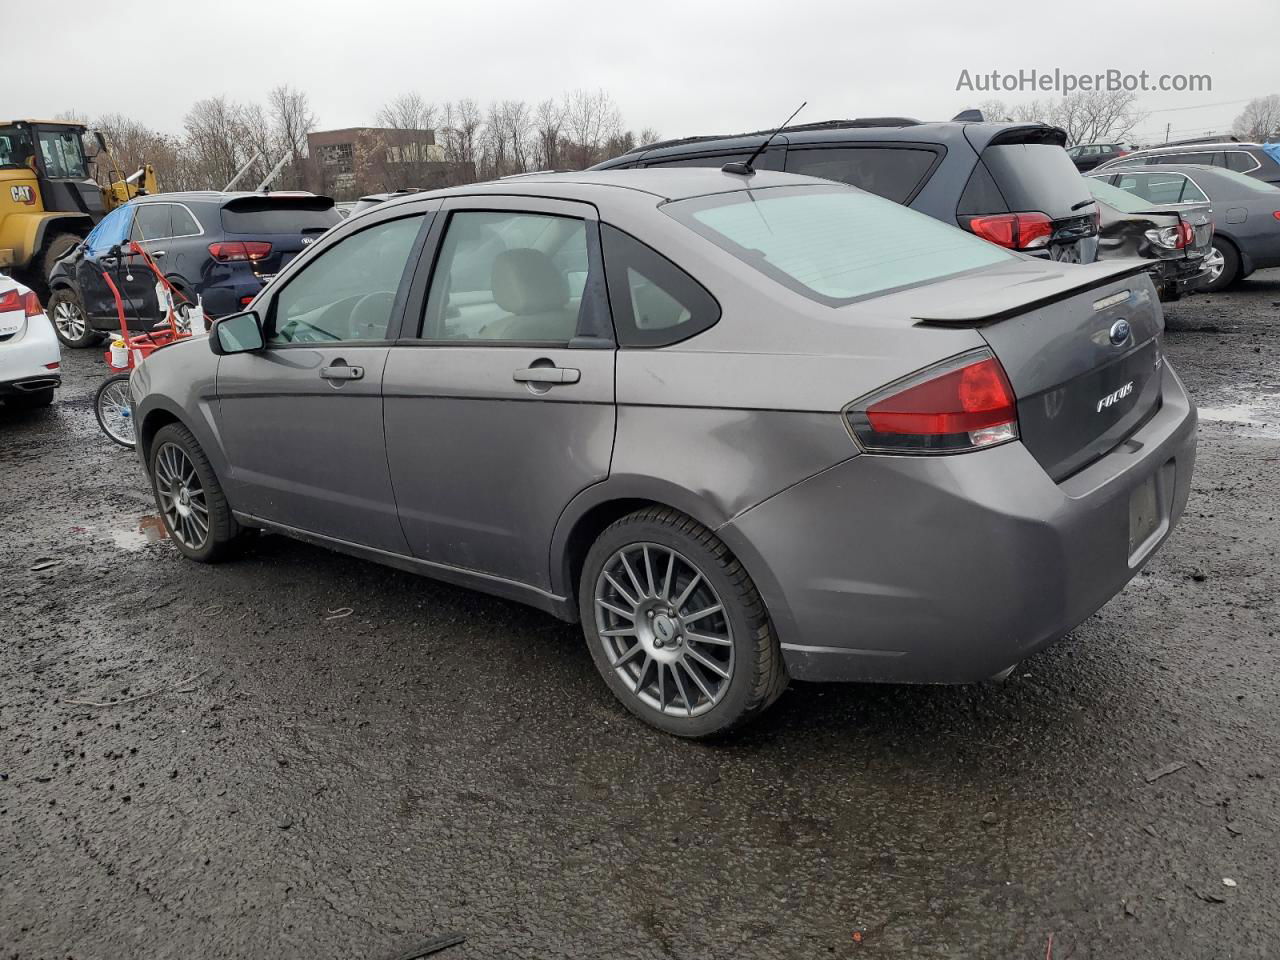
(142, 182)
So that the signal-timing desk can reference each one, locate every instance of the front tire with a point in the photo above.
(676, 627)
(70, 322)
(190, 498)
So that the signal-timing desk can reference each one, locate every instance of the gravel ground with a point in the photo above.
(291, 785)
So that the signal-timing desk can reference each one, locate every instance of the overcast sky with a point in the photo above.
(680, 66)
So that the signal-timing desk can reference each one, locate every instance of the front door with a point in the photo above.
(500, 399)
(98, 256)
(302, 418)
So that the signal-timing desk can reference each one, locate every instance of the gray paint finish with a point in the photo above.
(942, 568)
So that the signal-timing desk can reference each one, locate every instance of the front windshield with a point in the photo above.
(61, 153)
(1122, 200)
(15, 148)
(834, 245)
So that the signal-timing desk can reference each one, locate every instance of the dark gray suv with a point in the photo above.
(1010, 183)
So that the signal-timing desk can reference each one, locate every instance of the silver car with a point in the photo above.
(742, 428)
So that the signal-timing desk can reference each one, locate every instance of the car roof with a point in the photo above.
(217, 196)
(978, 133)
(662, 184)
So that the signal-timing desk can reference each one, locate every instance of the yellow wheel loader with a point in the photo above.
(49, 198)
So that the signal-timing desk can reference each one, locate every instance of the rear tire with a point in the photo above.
(1230, 266)
(686, 645)
(70, 322)
(190, 498)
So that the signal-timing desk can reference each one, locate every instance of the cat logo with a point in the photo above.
(22, 194)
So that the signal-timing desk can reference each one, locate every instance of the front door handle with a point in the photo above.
(547, 375)
(340, 371)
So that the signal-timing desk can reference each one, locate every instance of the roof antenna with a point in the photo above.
(746, 169)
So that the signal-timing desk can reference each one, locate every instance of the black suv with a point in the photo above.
(1258, 160)
(1010, 183)
(220, 246)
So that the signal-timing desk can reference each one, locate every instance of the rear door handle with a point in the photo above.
(548, 375)
(340, 371)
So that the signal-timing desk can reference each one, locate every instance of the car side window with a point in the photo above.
(111, 229)
(654, 302)
(1240, 161)
(1161, 187)
(153, 221)
(508, 276)
(894, 173)
(183, 223)
(348, 291)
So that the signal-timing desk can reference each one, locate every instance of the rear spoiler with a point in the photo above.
(1002, 134)
(982, 297)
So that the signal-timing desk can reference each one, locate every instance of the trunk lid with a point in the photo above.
(1081, 346)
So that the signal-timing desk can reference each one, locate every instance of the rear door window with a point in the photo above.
(1161, 188)
(1240, 161)
(895, 173)
(183, 223)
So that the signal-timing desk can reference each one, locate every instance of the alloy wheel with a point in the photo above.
(115, 412)
(182, 496)
(69, 319)
(664, 629)
(1215, 262)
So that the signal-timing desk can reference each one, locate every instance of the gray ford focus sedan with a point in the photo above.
(744, 428)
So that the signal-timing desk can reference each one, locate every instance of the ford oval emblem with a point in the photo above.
(1120, 332)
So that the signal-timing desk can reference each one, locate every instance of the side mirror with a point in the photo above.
(102, 141)
(238, 333)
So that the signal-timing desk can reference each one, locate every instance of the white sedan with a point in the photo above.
(29, 358)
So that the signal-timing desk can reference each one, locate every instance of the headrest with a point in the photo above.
(526, 281)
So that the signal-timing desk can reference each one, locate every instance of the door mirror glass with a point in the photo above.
(238, 333)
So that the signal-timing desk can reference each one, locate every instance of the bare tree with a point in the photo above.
(1087, 116)
(548, 121)
(649, 135)
(406, 153)
(1260, 119)
(215, 140)
(291, 120)
(590, 120)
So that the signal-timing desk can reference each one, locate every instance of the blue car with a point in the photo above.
(222, 247)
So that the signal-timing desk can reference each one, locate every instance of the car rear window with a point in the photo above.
(894, 173)
(270, 215)
(1122, 200)
(834, 245)
(1037, 177)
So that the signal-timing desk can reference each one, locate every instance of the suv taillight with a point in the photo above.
(233, 250)
(961, 404)
(1017, 231)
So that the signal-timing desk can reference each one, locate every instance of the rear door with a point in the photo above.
(500, 394)
(302, 418)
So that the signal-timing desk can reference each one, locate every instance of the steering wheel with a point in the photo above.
(370, 314)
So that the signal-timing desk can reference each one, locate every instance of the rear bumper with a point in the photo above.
(24, 362)
(1179, 276)
(952, 569)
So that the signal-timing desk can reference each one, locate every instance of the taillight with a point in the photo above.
(27, 302)
(963, 404)
(1276, 214)
(1017, 231)
(1121, 153)
(233, 250)
(1173, 238)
